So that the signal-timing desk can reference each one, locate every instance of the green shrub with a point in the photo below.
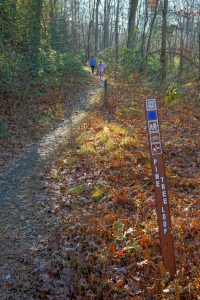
(97, 194)
(153, 65)
(108, 57)
(172, 94)
(57, 68)
(78, 190)
(15, 71)
(129, 59)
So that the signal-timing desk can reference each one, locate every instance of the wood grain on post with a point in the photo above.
(105, 92)
(159, 179)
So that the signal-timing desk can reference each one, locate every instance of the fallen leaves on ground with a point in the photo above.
(103, 242)
(107, 243)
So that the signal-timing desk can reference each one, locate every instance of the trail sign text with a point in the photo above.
(162, 201)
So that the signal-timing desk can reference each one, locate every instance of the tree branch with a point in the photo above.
(175, 53)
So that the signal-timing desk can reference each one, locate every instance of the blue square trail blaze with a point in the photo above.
(152, 115)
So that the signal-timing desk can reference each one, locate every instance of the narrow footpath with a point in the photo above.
(22, 190)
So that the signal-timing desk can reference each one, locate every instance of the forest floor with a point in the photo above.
(25, 159)
(78, 215)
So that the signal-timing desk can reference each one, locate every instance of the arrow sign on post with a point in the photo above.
(159, 178)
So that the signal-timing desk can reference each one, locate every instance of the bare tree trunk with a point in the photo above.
(181, 56)
(89, 37)
(96, 46)
(106, 23)
(35, 35)
(131, 23)
(117, 32)
(142, 67)
(101, 45)
(163, 71)
(74, 31)
(199, 53)
(84, 39)
(91, 24)
(150, 32)
(111, 30)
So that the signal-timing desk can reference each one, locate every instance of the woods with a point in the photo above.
(161, 37)
(80, 216)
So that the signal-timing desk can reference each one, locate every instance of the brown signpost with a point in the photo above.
(159, 178)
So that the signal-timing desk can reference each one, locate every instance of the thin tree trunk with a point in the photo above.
(199, 53)
(163, 71)
(74, 31)
(106, 23)
(89, 37)
(150, 33)
(181, 56)
(91, 23)
(111, 33)
(117, 32)
(53, 25)
(96, 47)
(35, 35)
(142, 68)
(131, 23)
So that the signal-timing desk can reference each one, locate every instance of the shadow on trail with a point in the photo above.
(24, 222)
(40, 155)
(17, 174)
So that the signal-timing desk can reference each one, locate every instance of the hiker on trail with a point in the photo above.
(100, 69)
(92, 62)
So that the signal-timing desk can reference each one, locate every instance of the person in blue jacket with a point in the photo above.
(92, 62)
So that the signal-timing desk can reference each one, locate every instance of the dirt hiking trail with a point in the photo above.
(22, 188)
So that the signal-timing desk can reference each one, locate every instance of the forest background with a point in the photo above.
(42, 42)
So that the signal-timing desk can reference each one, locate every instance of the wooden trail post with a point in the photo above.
(105, 92)
(159, 178)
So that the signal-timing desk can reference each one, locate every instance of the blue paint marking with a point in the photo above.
(152, 115)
